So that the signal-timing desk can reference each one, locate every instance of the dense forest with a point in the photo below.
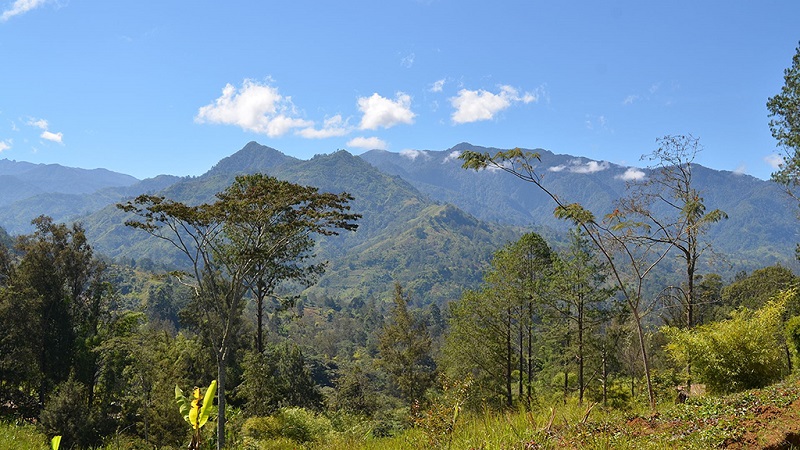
(229, 341)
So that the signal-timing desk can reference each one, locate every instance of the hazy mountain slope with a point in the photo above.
(63, 207)
(761, 228)
(20, 180)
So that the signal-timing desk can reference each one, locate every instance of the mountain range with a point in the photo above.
(427, 223)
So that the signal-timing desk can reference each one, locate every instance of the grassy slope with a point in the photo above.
(766, 418)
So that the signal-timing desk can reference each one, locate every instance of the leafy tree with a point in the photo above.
(271, 218)
(520, 274)
(492, 330)
(784, 113)
(743, 352)
(755, 290)
(581, 294)
(58, 267)
(278, 377)
(226, 248)
(405, 350)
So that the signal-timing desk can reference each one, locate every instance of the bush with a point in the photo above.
(297, 424)
(66, 414)
(743, 352)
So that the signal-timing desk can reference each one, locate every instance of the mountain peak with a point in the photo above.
(253, 157)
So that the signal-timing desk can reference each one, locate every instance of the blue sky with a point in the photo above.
(151, 87)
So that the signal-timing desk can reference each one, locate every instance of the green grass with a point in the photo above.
(21, 437)
(751, 419)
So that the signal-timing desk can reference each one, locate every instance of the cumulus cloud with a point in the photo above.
(255, 107)
(741, 170)
(452, 156)
(774, 160)
(632, 174)
(438, 85)
(43, 125)
(414, 154)
(367, 143)
(383, 112)
(55, 137)
(577, 166)
(5, 145)
(332, 127)
(21, 7)
(473, 106)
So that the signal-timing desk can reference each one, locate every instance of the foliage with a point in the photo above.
(439, 417)
(196, 410)
(405, 351)
(278, 377)
(755, 290)
(298, 424)
(740, 353)
(228, 250)
(784, 111)
(66, 414)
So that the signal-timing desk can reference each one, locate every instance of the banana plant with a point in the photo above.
(196, 409)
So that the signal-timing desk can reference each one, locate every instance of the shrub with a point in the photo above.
(297, 424)
(739, 353)
(66, 414)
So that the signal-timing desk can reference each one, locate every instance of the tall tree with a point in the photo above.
(269, 218)
(492, 330)
(520, 274)
(225, 247)
(674, 212)
(630, 260)
(405, 350)
(784, 113)
(580, 295)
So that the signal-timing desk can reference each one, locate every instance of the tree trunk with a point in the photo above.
(220, 401)
(580, 352)
(605, 376)
(509, 353)
(645, 359)
(260, 294)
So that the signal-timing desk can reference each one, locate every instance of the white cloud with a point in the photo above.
(452, 156)
(774, 160)
(632, 174)
(576, 166)
(383, 112)
(596, 121)
(629, 100)
(367, 143)
(255, 107)
(38, 123)
(408, 61)
(590, 167)
(5, 145)
(438, 85)
(332, 127)
(55, 137)
(414, 154)
(741, 170)
(21, 7)
(473, 106)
